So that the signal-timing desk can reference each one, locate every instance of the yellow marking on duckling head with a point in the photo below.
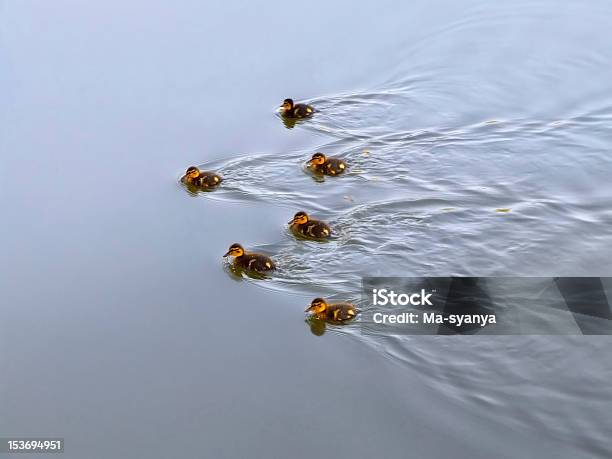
(326, 231)
(192, 173)
(317, 158)
(350, 312)
(287, 105)
(216, 179)
(299, 218)
(268, 264)
(336, 314)
(317, 306)
(309, 110)
(341, 166)
(235, 250)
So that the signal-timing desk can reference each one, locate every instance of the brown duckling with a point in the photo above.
(291, 110)
(202, 179)
(303, 225)
(320, 164)
(337, 312)
(256, 262)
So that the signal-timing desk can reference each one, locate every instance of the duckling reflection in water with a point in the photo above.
(320, 164)
(303, 225)
(204, 180)
(334, 313)
(290, 122)
(296, 111)
(254, 262)
(317, 326)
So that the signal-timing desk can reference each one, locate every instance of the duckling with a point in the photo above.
(203, 179)
(326, 166)
(251, 261)
(291, 110)
(338, 312)
(303, 225)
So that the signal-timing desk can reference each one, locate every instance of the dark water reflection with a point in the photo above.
(478, 140)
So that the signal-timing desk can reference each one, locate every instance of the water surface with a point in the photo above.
(478, 137)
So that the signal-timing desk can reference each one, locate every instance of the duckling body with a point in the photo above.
(301, 111)
(340, 312)
(304, 226)
(313, 229)
(202, 179)
(321, 164)
(335, 312)
(206, 180)
(255, 262)
(331, 166)
(296, 111)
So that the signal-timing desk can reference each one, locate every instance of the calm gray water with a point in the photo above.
(479, 138)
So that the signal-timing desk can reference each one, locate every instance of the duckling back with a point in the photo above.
(331, 166)
(255, 262)
(334, 166)
(341, 312)
(208, 180)
(300, 111)
(205, 180)
(312, 229)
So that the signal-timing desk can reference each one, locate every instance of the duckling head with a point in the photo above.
(287, 106)
(318, 306)
(192, 173)
(235, 250)
(317, 158)
(300, 218)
